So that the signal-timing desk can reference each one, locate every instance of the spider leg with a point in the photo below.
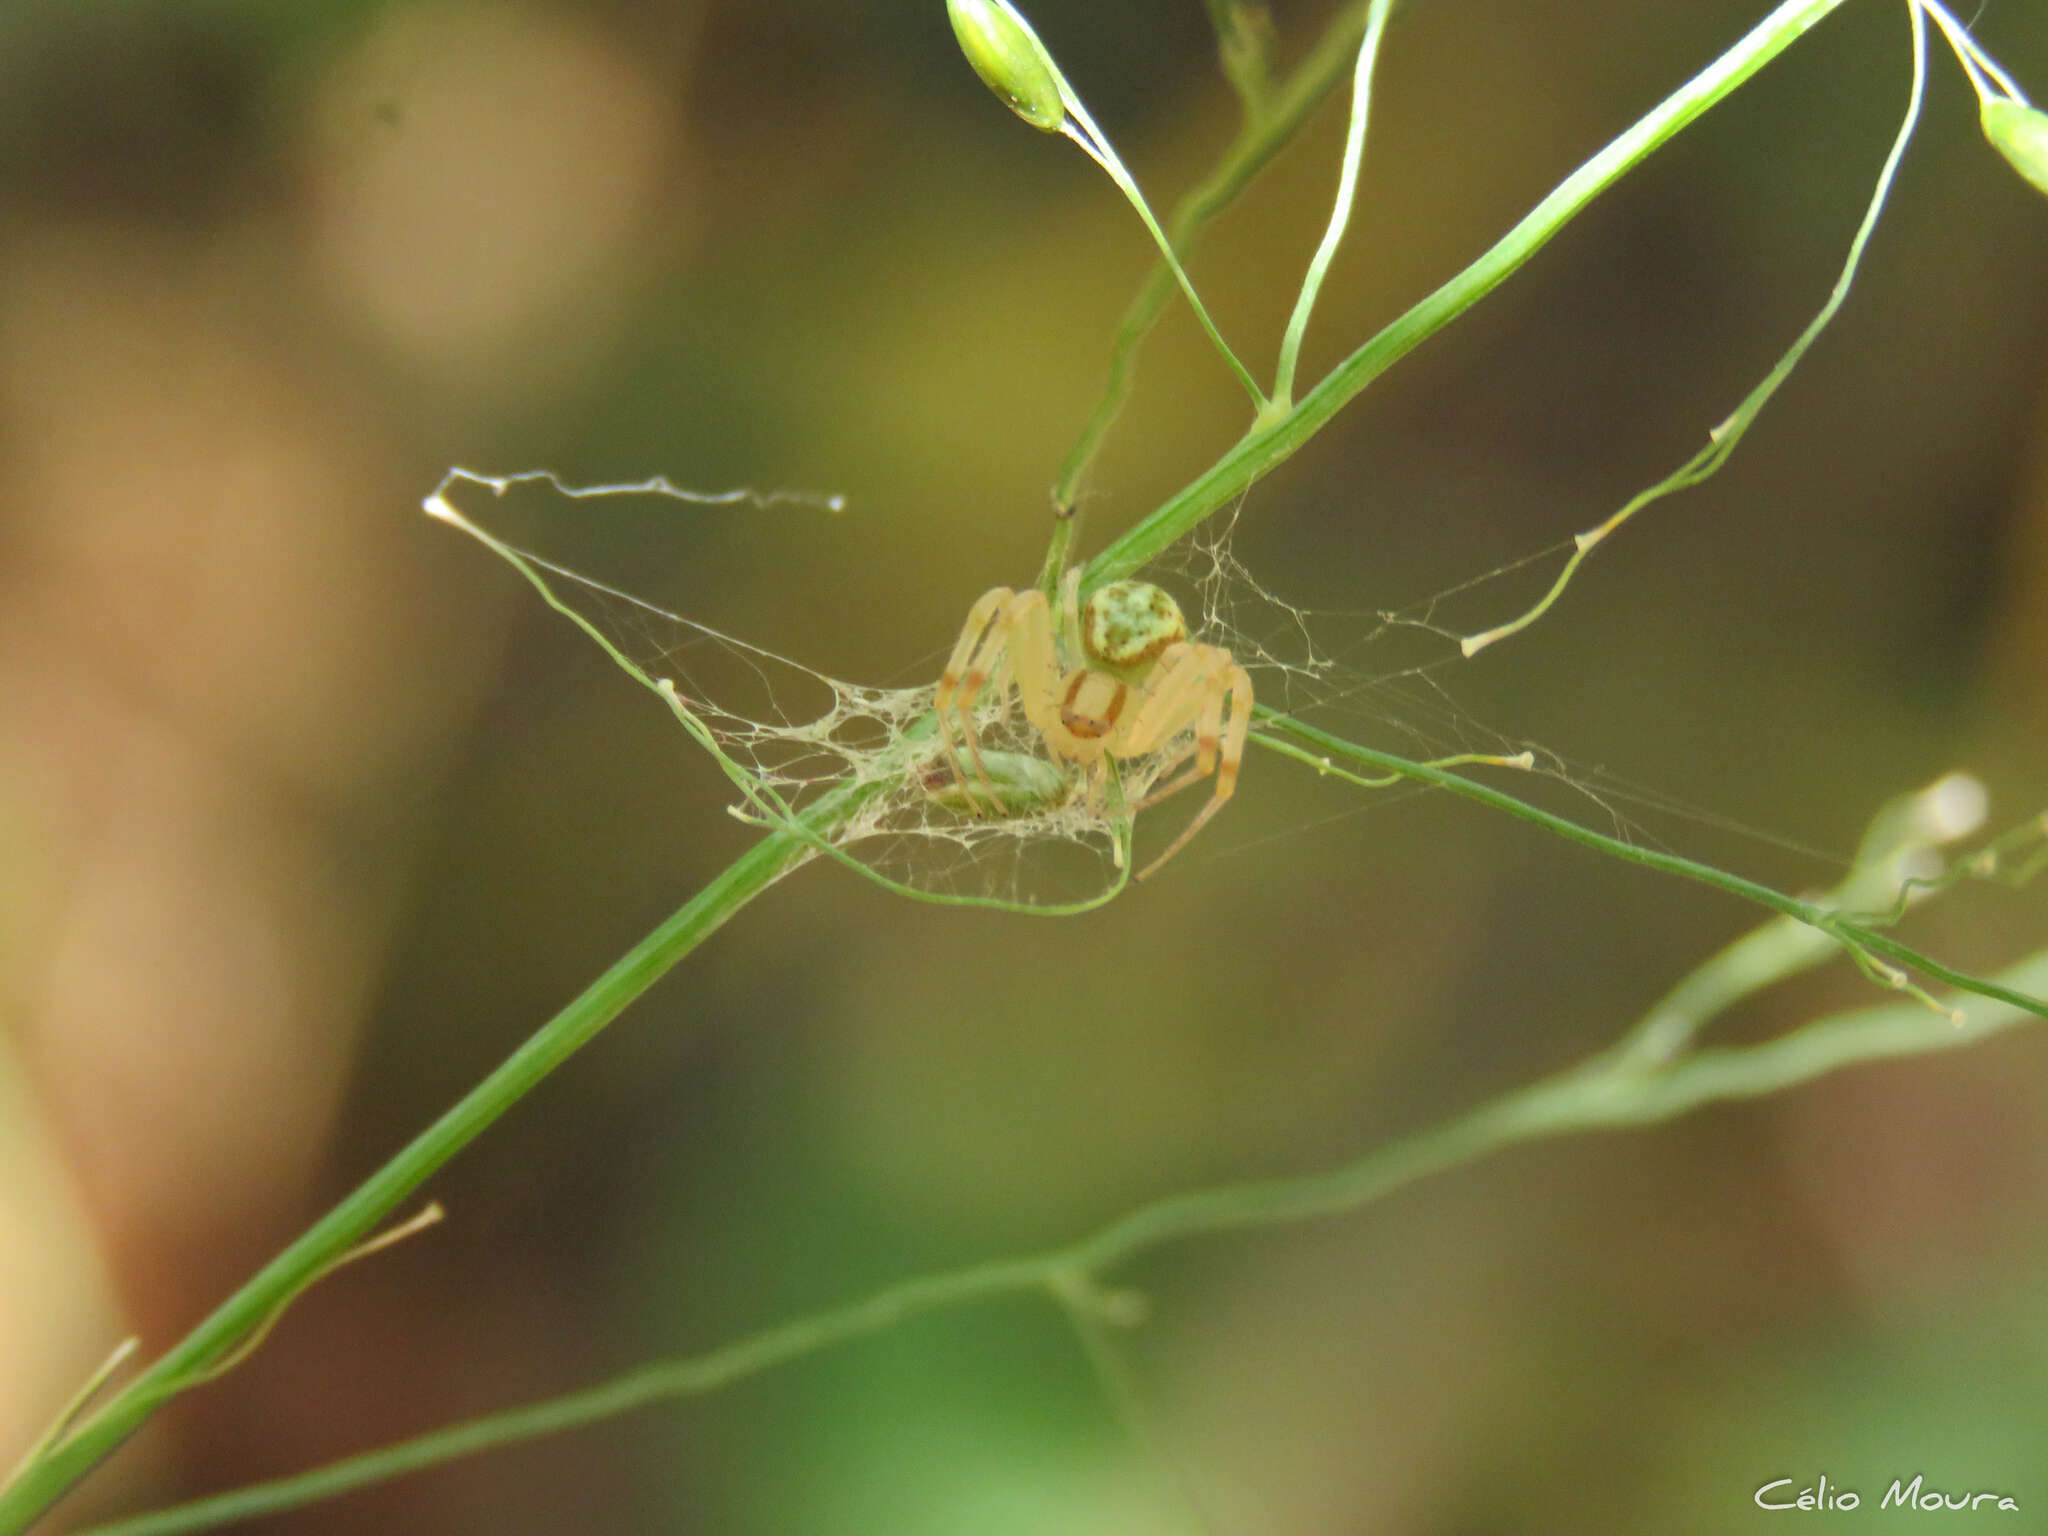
(1034, 663)
(967, 671)
(971, 734)
(1178, 783)
(1223, 755)
(1203, 749)
(970, 697)
(1187, 692)
(999, 681)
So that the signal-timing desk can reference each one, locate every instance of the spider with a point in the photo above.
(1116, 678)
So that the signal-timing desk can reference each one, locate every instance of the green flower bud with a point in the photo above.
(2020, 133)
(1010, 59)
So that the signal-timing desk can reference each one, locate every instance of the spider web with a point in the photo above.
(1378, 676)
(787, 734)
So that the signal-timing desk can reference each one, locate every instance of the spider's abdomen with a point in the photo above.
(1129, 624)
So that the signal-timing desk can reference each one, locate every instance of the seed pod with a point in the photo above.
(2020, 133)
(1010, 59)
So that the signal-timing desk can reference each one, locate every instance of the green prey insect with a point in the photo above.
(1019, 784)
(1116, 678)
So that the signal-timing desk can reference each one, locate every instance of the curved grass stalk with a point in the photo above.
(74, 1410)
(1984, 71)
(1244, 46)
(1006, 51)
(1532, 1111)
(43, 1481)
(1340, 211)
(1276, 120)
(1887, 876)
(1608, 1092)
(798, 836)
(1886, 957)
(1723, 439)
(1095, 144)
(1271, 443)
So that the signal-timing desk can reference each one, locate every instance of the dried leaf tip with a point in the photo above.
(1010, 59)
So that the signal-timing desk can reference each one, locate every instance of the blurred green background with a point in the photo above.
(309, 812)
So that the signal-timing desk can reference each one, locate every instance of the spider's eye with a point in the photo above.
(1130, 623)
(1010, 59)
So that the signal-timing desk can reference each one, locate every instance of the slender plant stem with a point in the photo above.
(42, 1482)
(1594, 1096)
(1857, 937)
(1605, 1093)
(49, 1476)
(1082, 130)
(1340, 210)
(1261, 138)
(1244, 46)
(1880, 878)
(1725, 438)
(652, 1383)
(1270, 443)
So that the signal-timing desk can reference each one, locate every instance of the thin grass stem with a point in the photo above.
(1600, 1094)
(1340, 212)
(1722, 441)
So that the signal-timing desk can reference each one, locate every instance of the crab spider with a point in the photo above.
(1116, 678)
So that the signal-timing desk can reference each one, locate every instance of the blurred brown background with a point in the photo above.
(309, 813)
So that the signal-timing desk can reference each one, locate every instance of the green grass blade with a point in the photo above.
(42, 1482)
(1602, 1094)
(1270, 444)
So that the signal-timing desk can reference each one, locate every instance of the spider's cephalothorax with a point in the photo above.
(1119, 678)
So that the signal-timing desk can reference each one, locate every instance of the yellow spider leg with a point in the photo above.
(1171, 701)
(966, 672)
(1036, 666)
(978, 676)
(1238, 684)
(1203, 748)
(999, 682)
(1193, 775)
(1235, 685)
